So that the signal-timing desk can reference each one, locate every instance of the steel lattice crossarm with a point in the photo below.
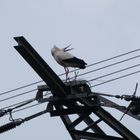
(84, 93)
(73, 98)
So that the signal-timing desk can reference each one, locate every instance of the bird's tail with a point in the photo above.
(82, 64)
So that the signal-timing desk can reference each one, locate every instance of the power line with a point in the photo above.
(17, 95)
(15, 111)
(114, 79)
(108, 59)
(102, 77)
(91, 87)
(22, 102)
(20, 87)
(88, 73)
(110, 65)
(111, 58)
(32, 99)
(137, 65)
(27, 107)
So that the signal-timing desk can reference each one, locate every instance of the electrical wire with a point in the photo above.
(11, 97)
(111, 58)
(128, 59)
(19, 106)
(22, 102)
(15, 89)
(27, 107)
(105, 60)
(114, 79)
(110, 65)
(112, 73)
(97, 78)
(32, 99)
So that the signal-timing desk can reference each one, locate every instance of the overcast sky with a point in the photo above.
(97, 29)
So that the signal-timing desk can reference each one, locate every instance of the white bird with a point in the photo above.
(65, 59)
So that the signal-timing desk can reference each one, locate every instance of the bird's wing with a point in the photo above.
(64, 55)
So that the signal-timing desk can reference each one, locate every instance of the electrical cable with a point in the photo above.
(97, 78)
(111, 58)
(110, 65)
(32, 99)
(15, 89)
(108, 59)
(118, 71)
(83, 74)
(19, 103)
(11, 97)
(114, 79)
(27, 107)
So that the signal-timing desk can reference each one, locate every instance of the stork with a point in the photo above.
(66, 59)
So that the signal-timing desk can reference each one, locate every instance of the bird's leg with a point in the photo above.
(67, 74)
(67, 71)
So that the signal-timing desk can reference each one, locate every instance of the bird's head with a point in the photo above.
(54, 49)
(67, 48)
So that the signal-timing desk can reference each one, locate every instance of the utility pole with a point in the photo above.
(73, 97)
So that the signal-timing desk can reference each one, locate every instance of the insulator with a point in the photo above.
(10, 125)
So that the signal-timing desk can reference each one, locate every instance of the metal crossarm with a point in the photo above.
(108, 103)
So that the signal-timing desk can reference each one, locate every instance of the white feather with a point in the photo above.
(60, 55)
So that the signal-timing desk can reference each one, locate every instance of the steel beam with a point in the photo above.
(116, 125)
(93, 136)
(108, 103)
(41, 67)
(69, 111)
(66, 120)
(78, 120)
(57, 87)
(91, 125)
(112, 122)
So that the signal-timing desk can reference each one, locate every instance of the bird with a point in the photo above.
(66, 59)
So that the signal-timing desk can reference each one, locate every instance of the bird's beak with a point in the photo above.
(66, 48)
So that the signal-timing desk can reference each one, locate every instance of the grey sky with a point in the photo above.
(97, 29)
